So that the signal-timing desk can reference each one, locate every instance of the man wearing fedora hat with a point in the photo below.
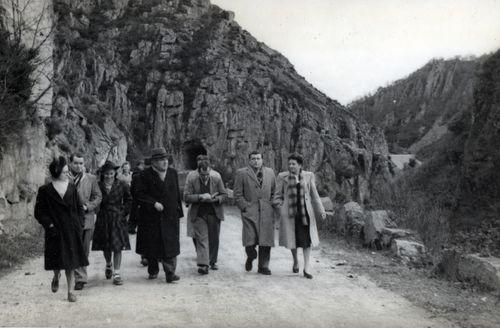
(157, 193)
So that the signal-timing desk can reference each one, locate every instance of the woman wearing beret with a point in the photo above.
(59, 210)
(111, 230)
(300, 205)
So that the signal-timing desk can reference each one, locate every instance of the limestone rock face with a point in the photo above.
(23, 168)
(416, 111)
(23, 162)
(184, 75)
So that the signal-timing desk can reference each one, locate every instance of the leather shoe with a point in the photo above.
(295, 269)
(248, 264)
(144, 261)
(153, 276)
(54, 286)
(172, 277)
(108, 272)
(307, 275)
(203, 270)
(214, 266)
(265, 271)
(79, 285)
(71, 297)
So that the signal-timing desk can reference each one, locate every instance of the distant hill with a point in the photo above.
(453, 199)
(416, 111)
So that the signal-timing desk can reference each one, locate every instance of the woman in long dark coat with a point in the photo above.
(111, 229)
(59, 210)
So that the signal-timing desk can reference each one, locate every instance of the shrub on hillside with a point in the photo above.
(16, 67)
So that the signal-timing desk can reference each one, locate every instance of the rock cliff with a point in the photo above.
(416, 111)
(131, 75)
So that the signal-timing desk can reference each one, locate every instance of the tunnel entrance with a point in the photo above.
(191, 150)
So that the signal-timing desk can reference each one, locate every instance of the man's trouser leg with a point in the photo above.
(81, 273)
(251, 252)
(153, 267)
(264, 256)
(200, 226)
(213, 237)
(169, 265)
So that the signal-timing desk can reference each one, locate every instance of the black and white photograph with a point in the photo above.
(250, 163)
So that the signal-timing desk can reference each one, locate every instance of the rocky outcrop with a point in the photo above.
(23, 168)
(416, 111)
(184, 75)
(23, 160)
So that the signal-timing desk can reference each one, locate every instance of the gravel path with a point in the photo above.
(229, 297)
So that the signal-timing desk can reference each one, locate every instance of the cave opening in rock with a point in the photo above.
(191, 150)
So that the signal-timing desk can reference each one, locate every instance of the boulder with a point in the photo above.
(354, 221)
(410, 251)
(481, 271)
(375, 222)
(389, 234)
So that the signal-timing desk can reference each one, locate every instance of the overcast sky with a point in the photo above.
(348, 48)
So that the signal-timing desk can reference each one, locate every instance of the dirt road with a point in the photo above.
(229, 297)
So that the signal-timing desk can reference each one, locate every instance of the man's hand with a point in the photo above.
(323, 216)
(85, 208)
(205, 198)
(158, 207)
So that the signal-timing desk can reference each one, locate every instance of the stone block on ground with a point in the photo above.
(349, 220)
(408, 250)
(374, 223)
(471, 268)
(484, 271)
(389, 234)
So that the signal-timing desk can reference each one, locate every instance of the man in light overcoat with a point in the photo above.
(254, 188)
(205, 191)
(90, 196)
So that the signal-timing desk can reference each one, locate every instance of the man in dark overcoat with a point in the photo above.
(157, 193)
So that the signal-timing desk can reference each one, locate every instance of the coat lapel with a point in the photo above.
(157, 183)
(55, 195)
(253, 176)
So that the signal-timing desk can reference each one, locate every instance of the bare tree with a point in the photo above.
(25, 63)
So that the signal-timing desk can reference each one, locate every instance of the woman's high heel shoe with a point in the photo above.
(307, 275)
(71, 297)
(54, 286)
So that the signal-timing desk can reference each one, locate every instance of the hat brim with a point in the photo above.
(108, 168)
(154, 158)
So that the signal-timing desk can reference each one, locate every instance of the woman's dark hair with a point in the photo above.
(296, 157)
(56, 166)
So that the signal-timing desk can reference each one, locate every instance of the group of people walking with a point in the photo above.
(78, 210)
